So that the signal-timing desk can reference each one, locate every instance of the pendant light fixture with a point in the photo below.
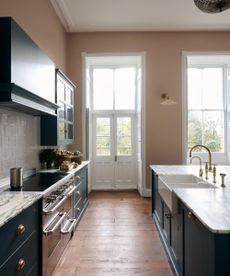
(212, 6)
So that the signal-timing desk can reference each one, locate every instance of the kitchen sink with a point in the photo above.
(167, 183)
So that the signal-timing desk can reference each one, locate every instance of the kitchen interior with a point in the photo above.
(114, 130)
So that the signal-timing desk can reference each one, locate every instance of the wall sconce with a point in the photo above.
(166, 100)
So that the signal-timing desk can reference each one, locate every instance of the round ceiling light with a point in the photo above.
(212, 6)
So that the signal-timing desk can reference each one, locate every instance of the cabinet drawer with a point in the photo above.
(26, 255)
(17, 230)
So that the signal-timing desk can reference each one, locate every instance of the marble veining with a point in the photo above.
(13, 203)
(210, 206)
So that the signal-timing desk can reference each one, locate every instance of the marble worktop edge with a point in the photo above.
(13, 203)
(210, 206)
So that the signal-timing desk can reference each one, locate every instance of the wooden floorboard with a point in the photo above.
(116, 237)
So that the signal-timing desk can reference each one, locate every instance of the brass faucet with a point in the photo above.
(209, 154)
(198, 157)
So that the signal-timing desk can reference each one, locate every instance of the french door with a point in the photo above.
(114, 151)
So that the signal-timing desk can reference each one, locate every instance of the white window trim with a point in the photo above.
(219, 158)
(142, 188)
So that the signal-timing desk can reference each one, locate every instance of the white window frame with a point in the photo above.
(141, 110)
(218, 158)
(113, 110)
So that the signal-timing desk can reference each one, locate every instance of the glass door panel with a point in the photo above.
(124, 136)
(103, 136)
(61, 130)
(69, 98)
(61, 110)
(69, 113)
(60, 90)
(69, 133)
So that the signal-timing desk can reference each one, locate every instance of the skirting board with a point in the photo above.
(144, 192)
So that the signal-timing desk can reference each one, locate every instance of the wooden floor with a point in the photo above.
(116, 236)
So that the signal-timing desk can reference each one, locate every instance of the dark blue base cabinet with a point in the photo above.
(20, 241)
(81, 193)
(192, 249)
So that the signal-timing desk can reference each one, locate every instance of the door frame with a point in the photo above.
(85, 128)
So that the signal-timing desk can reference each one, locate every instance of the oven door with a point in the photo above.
(53, 242)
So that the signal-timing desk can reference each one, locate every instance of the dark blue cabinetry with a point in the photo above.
(205, 253)
(60, 130)
(27, 79)
(193, 250)
(20, 240)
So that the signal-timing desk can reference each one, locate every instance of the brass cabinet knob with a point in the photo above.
(78, 209)
(190, 215)
(21, 264)
(78, 192)
(20, 229)
(78, 177)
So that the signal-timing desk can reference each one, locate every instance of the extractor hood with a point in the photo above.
(27, 78)
(16, 97)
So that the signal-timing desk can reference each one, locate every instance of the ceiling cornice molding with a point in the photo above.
(63, 14)
(82, 29)
(76, 17)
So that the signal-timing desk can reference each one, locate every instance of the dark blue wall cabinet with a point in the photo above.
(27, 78)
(21, 241)
(191, 247)
(60, 130)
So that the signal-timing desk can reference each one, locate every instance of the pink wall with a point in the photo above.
(163, 75)
(39, 20)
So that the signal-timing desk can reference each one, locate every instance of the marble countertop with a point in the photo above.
(210, 206)
(13, 203)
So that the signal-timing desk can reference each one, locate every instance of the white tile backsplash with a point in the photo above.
(19, 141)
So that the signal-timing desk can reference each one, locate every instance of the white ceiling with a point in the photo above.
(137, 15)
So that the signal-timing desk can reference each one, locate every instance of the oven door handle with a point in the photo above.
(48, 231)
(71, 191)
(55, 207)
(72, 225)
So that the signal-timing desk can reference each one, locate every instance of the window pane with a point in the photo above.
(103, 139)
(207, 128)
(205, 88)
(213, 130)
(124, 144)
(194, 128)
(194, 88)
(212, 88)
(124, 86)
(102, 89)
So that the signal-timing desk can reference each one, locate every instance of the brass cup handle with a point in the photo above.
(20, 229)
(21, 264)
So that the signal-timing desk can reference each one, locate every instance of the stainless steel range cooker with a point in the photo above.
(58, 222)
